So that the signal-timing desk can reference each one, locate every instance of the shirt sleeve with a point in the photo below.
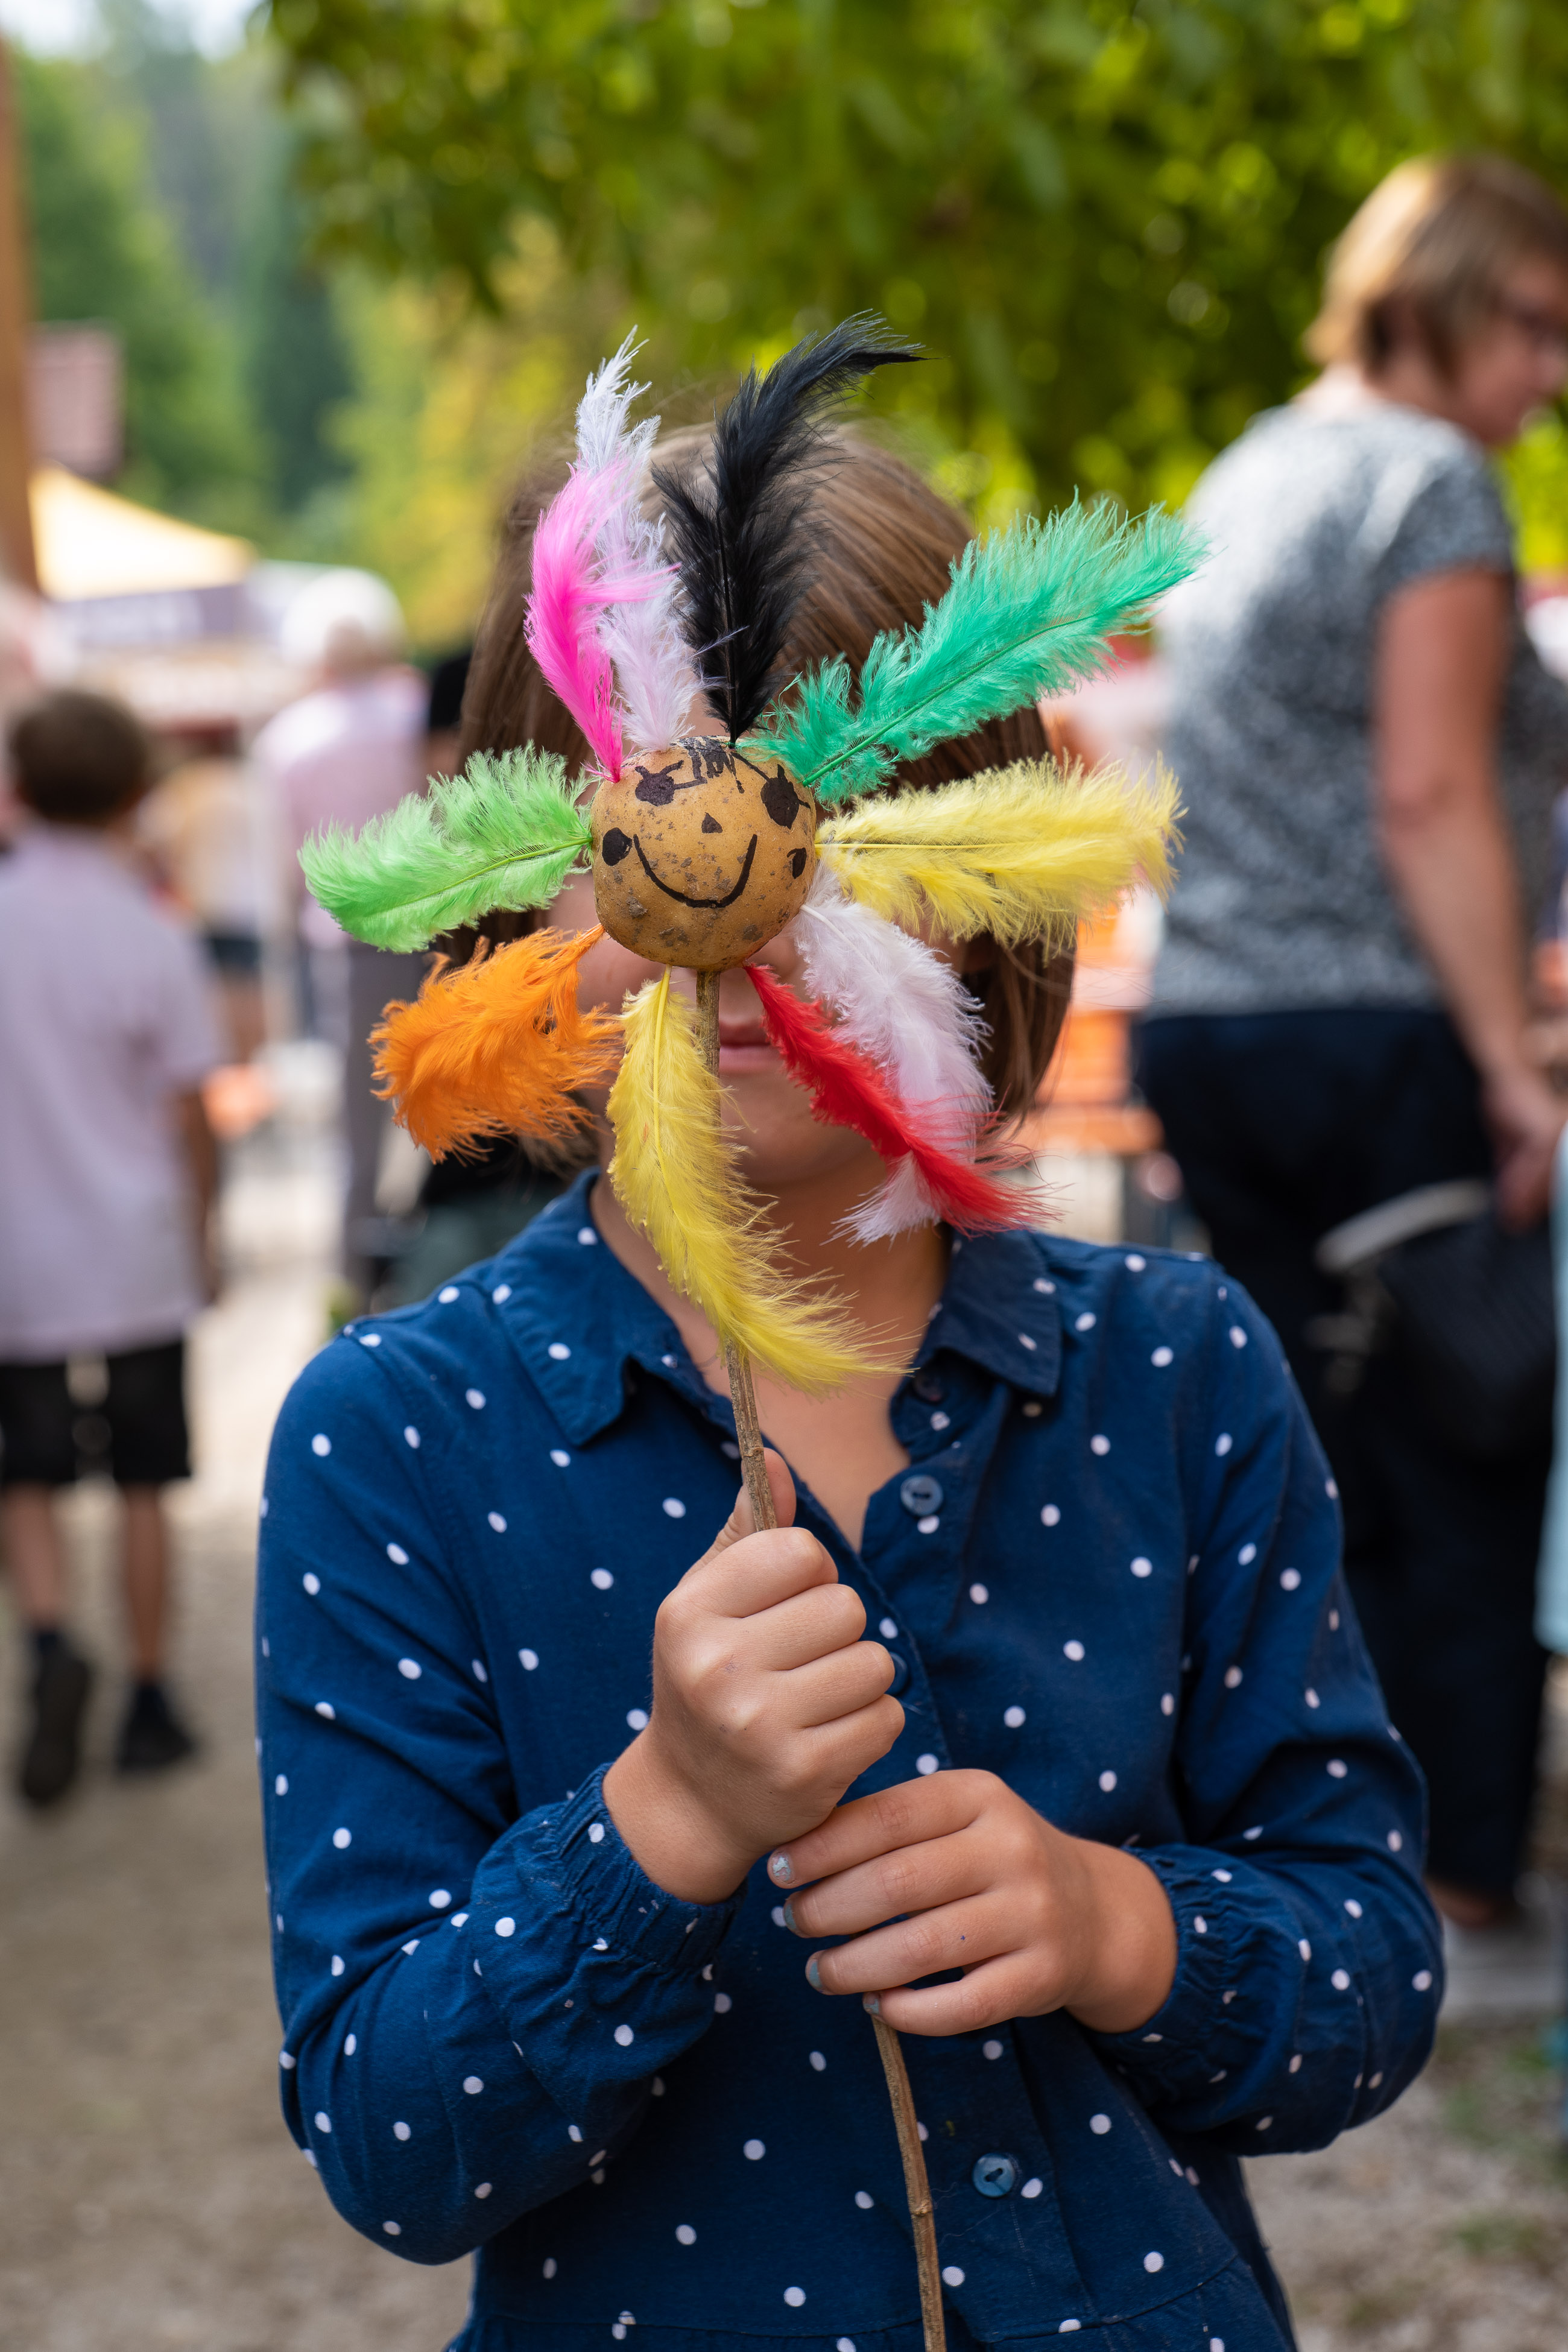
(1437, 511)
(475, 2005)
(1310, 1970)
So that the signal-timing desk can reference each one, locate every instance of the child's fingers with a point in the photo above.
(750, 1573)
(804, 1627)
(831, 1687)
(741, 1521)
(858, 1831)
(956, 1936)
(996, 1991)
(911, 1878)
(839, 1751)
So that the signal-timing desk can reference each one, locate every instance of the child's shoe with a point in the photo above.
(151, 1736)
(51, 1750)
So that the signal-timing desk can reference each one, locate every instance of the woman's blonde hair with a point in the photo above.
(882, 542)
(1427, 252)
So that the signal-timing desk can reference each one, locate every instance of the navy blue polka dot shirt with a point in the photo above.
(1109, 1575)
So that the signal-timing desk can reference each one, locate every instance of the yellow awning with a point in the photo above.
(90, 543)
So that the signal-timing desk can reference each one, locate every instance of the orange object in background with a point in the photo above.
(1082, 1106)
(237, 1098)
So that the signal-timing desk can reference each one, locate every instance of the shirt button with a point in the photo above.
(921, 1494)
(900, 1672)
(928, 1387)
(995, 2176)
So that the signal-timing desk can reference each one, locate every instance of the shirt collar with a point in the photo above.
(577, 1317)
(999, 1309)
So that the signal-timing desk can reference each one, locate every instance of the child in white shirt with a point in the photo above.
(106, 1170)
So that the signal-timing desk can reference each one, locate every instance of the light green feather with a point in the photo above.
(1028, 612)
(506, 832)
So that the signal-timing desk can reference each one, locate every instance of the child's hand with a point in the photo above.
(766, 1704)
(1039, 1920)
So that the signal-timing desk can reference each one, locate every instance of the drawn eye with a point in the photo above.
(616, 846)
(780, 799)
(798, 863)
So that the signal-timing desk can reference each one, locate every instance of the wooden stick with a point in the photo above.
(922, 2219)
(748, 1431)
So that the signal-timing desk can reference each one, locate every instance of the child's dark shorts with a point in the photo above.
(123, 1414)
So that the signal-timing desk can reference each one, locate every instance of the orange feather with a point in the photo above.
(497, 1048)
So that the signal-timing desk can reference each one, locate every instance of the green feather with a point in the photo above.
(506, 832)
(1028, 612)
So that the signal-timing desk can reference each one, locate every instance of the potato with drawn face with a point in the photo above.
(700, 854)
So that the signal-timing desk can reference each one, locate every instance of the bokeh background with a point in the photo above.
(359, 257)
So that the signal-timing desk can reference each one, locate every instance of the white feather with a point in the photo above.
(900, 1203)
(901, 1005)
(654, 668)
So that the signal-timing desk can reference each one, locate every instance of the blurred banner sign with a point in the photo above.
(76, 386)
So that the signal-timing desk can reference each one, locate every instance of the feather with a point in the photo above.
(1021, 853)
(899, 1001)
(570, 590)
(848, 1091)
(605, 440)
(1028, 611)
(506, 832)
(655, 673)
(736, 526)
(674, 1173)
(498, 1046)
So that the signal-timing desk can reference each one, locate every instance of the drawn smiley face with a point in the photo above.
(700, 854)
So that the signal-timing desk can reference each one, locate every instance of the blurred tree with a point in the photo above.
(452, 408)
(293, 352)
(1106, 217)
(102, 250)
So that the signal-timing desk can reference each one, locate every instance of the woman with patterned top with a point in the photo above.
(1370, 750)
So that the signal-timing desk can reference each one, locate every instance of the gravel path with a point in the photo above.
(149, 2195)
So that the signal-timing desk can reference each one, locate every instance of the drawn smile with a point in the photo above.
(727, 901)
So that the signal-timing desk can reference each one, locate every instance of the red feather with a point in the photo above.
(847, 1089)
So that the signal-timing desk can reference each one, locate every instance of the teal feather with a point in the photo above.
(1028, 612)
(506, 832)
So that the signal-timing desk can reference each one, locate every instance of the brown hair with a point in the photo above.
(883, 545)
(1429, 247)
(78, 759)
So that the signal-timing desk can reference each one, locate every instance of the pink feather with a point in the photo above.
(570, 591)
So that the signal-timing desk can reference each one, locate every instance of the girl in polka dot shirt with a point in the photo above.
(595, 1818)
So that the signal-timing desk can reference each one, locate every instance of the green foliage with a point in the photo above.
(1535, 479)
(160, 192)
(1106, 217)
(294, 354)
(506, 832)
(1030, 612)
(102, 250)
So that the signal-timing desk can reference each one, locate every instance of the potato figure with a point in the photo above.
(701, 855)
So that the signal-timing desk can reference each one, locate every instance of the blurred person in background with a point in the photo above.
(1369, 750)
(200, 824)
(107, 1179)
(349, 750)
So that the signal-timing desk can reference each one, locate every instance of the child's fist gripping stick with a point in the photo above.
(767, 1704)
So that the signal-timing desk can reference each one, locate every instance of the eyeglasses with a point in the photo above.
(1544, 330)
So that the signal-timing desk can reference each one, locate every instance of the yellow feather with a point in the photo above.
(675, 1176)
(1021, 853)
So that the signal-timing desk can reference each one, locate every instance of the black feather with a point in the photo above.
(734, 525)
